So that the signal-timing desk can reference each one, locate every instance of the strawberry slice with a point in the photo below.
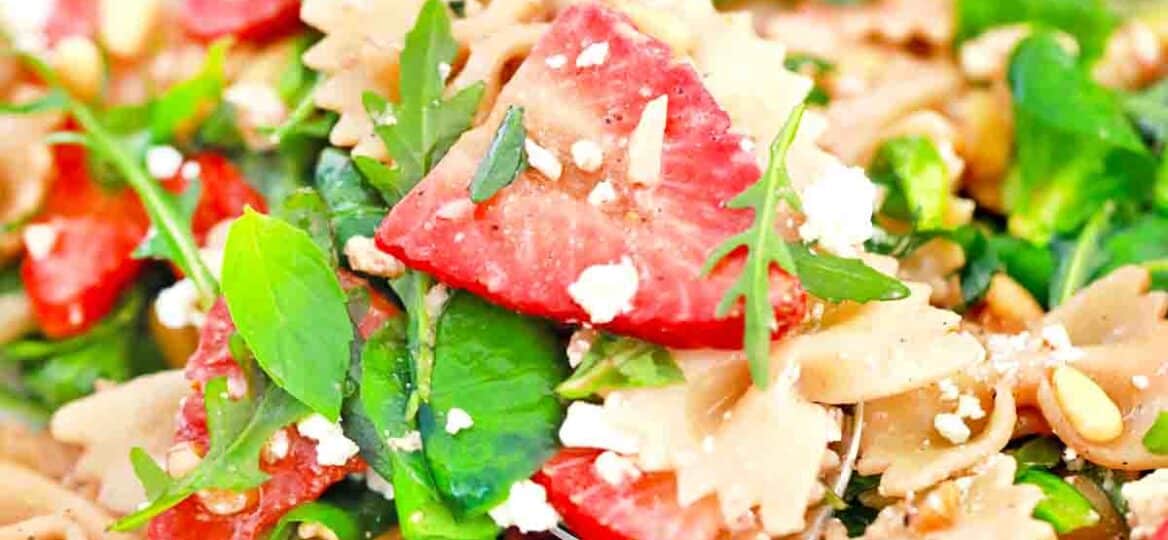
(641, 509)
(524, 247)
(254, 20)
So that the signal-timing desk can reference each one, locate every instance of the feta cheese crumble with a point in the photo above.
(410, 442)
(379, 485)
(838, 208)
(951, 427)
(586, 426)
(949, 390)
(593, 55)
(526, 509)
(364, 257)
(163, 162)
(444, 70)
(606, 290)
(1141, 382)
(191, 170)
(556, 61)
(615, 469)
(278, 446)
(1147, 501)
(39, 239)
(177, 306)
(332, 447)
(648, 141)
(587, 155)
(602, 193)
(457, 420)
(543, 160)
(968, 406)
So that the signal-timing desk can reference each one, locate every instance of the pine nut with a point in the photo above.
(80, 66)
(310, 530)
(181, 459)
(1088, 408)
(125, 25)
(224, 502)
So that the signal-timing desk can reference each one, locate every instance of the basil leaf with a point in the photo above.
(305, 209)
(501, 368)
(836, 279)
(505, 158)
(354, 209)
(183, 100)
(1062, 505)
(288, 306)
(1089, 21)
(238, 430)
(614, 362)
(1156, 439)
(1078, 260)
(917, 178)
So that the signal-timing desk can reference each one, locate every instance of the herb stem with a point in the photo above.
(299, 114)
(840, 486)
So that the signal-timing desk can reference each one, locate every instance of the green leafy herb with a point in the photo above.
(505, 158)
(1078, 260)
(836, 279)
(1089, 21)
(1149, 110)
(183, 100)
(1156, 439)
(1139, 242)
(238, 430)
(354, 209)
(1039, 451)
(413, 288)
(55, 99)
(343, 525)
(815, 67)
(306, 209)
(1062, 505)
(917, 178)
(614, 362)
(287, 304)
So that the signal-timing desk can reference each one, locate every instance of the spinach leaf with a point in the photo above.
(238, 430)
(1062, 505)
(1068, 165)
(501, 368)
(614, 362)
(917, 179)
(289, 307)
(505, 158)
(354, 209)
(835, 279)
(1089, 21)
(1156, 439)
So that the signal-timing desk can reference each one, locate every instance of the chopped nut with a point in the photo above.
(1088, 408)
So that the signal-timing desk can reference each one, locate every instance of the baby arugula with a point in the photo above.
(614, 362)
(505, 158)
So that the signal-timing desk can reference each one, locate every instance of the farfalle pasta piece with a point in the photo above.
(826, 30)
(875, 350)
(35, 449)
(31, 506)
(491, 56)
(1116, 308)
(26, 164)
(145, 408)
(901, 441)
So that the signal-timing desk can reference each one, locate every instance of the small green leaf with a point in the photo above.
(343, 525)
(1062, 505)
(505, 158)
(614, 362)
(55, 99)
(918, 181)
(1079, 260)
(183, 100)
(836, 279)
(161, 246)
(1156, 439)
(287, 303)
(154, 479)
(1040, 451)
(305, 209)
(355, 209)
(385, 179)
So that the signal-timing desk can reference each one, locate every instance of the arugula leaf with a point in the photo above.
(354, 209)
(1089, 21)
(1031, 266)
(157, 246)
(501, 368)
(917, 178)
(54, 99)
(289, 307)
(238, 430)
(413, 288)
(505, 158)
(1068, 165)
(348, 508)
(183, 100)
(815, 67)
(836, 279)
(1139, 242)
(1079, 260)
(615, 362)
(1062, 505)
(1156, 439)
(306, 209)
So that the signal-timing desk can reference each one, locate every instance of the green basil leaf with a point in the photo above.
(502, 369)
(1156, 439)
(1089, 21)
(836, 279)
(1062, 505)
(917, 178)
(287, 304)
(1079, 260)
(615, 362)
(505, 158)
(183, 100)
(306, 209)
(343, 525)
(355, 210)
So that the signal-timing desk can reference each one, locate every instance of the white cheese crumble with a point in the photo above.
(1141, 382)
(177, 306)
(258, 103)
(410, 442)
(191, 170)
(278, 446)
(25, 21)
(587, 155)
(556, 61)
(951, 427)
(543, 160)
(39, 239)
(838, 208)
(593, 55)
(1062, 350)
(968, 406)
(444, 70)
(364, 257)
(606, 290)
(1147, 501)
(332, 446)
(163, 162)
(457, 420)
(949, 390)
(586, 426)
(578, 346)
(648, 141)
(615, 469)
(526, 509)
(375, 483)
(456, 209)
(602, 193)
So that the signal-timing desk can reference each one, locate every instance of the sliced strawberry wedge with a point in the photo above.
(642, 509)
(586, 83)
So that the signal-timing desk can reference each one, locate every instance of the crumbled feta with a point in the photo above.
(602, 193)
(375, 483)
(949, 390)
(746, 145)
(615, 469)
(163, 162)
(1147, 501)
(191, 170)
(951, 427)
(444, 70)
(526, 509)
(177, 306)
(410, 442)
(556, 61)
(364, 257)
(1141, 382)
(586, 426)
(587, 155)
(606, 290)
(578, 346)
(39, 239)
(593, 55)
(1062, 350)
(456, 209)
(258, 103)
(543, 160)
(277, 446)
(458, 420)
(25, 22)
(838, 208)
(332, 446)
(648, 141)
(968, 406)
